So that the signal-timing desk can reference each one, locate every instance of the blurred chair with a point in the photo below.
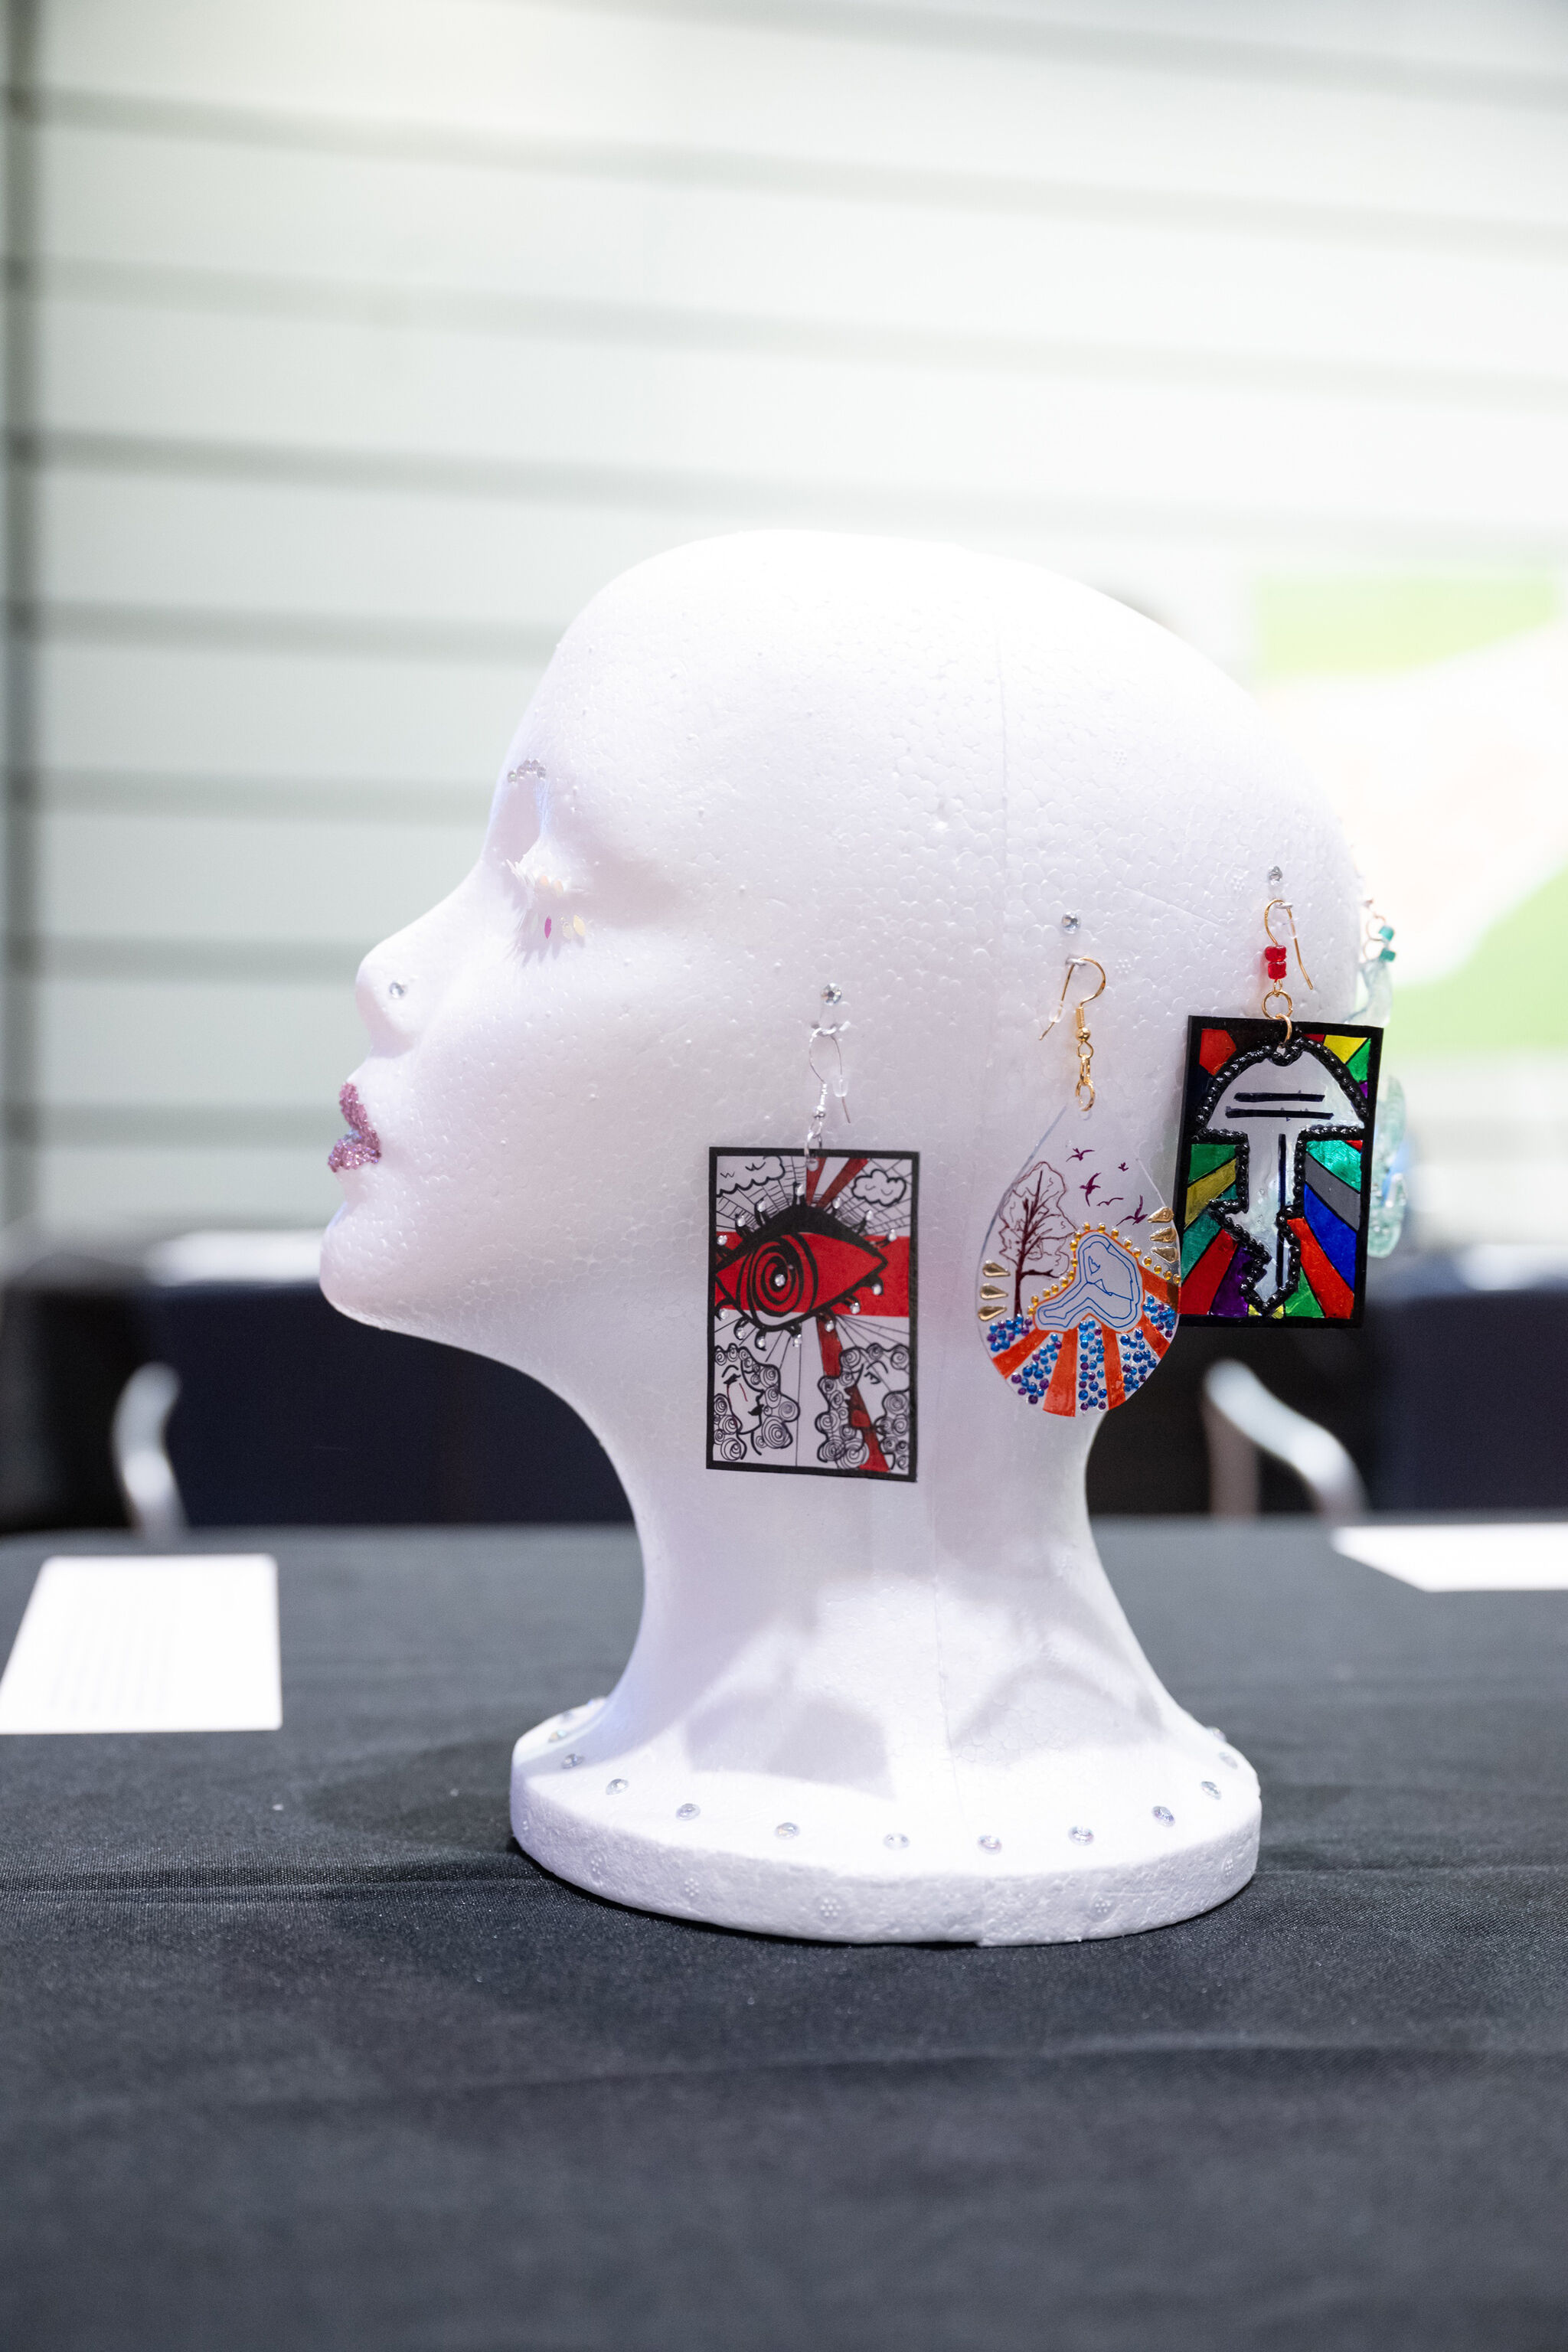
(142, 1470)
(1454, 1396)
(209, 1375)
(1243, 1421)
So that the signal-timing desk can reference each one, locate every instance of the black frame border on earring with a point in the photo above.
(716, 1261)
(1255, 1040)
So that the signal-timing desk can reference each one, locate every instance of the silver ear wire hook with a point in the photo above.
(826, 1032)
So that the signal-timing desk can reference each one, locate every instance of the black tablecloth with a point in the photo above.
(300, 2052)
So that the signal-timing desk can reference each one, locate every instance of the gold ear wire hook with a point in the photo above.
(1295, 938)
(1276, 993)
(1074, 963)
(1085, 1042)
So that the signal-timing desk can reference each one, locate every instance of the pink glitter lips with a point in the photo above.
(362, 1145)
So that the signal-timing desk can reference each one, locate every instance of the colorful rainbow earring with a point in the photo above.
(1274, 1165)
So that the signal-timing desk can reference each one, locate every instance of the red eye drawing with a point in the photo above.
(799, 1264)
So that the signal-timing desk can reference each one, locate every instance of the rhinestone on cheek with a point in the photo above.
(568, 1761)
(396, 988)
(788, 1828)
(1208, 1787)
(686, 1812)
(1227, 1758)
(1070, 922)
(1082, 1837)
(895, 1837)
(615, 1788)
(1164, 1813)
(992, 1844)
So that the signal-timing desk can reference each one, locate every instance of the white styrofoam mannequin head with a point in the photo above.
(758, 764)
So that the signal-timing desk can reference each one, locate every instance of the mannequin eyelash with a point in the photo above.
(546, 916)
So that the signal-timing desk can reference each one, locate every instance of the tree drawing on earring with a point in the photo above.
(812, 1287)
(1075, 1293)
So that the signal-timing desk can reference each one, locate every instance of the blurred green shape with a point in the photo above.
(1509, 995)
(1327, 625)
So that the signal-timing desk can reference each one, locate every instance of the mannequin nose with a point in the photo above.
(388, 994)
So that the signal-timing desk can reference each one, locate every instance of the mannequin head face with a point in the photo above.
(757, 765)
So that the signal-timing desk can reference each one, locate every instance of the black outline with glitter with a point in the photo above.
(793, 1152)
(1256, 1043)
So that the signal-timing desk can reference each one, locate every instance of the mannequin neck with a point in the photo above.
(788, 1617)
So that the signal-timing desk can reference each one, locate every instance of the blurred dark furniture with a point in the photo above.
(1448, 1398)
(289, 1415)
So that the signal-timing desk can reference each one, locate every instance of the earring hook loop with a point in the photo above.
(1277, 994)
(1084, 1090)
(1295, 936)
(836, 1083)
(1076, 964)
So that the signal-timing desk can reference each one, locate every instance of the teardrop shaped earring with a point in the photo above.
(1077, 1291)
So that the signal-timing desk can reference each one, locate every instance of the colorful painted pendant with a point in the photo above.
(1075, 1293)
(812, 1283)
(1273, 1169)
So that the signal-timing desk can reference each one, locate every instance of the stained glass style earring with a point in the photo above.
(1075, 1293)
(1275, 1164)
(813, 1262)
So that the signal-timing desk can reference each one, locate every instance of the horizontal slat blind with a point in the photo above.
(361, 342)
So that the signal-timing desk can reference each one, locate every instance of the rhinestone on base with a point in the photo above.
(895, 1837)
(1082, 1837)
(788, 1828)
(686, 1812)
(991, 1845)
(1164, 1813)
(1227, 1758)
(1208, 1787)
(567, 1763)
(397, 988)
(615, 1788)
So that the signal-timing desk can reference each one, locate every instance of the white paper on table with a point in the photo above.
(183, 1643)
(1515, 1556)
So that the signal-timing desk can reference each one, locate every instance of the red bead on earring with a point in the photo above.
(1277, 1004)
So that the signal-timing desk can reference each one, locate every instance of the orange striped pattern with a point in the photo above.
(1062, 1394)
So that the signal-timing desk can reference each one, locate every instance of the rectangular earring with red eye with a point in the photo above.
(812, 1278)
